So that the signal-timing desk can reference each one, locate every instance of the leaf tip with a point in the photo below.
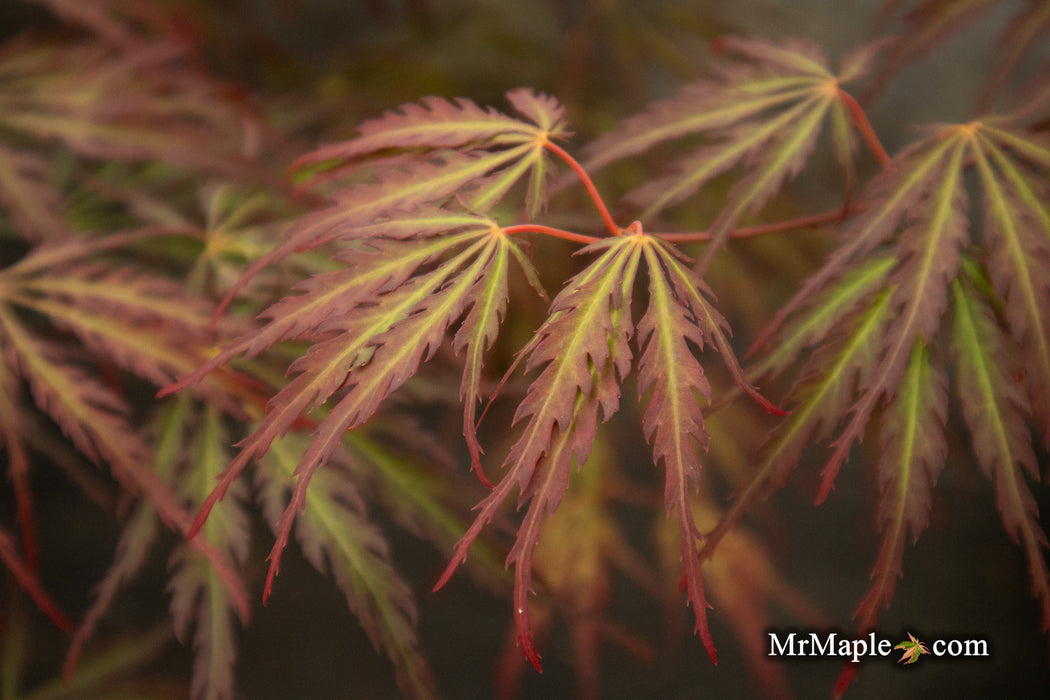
(199, 519)
(446, 575)
(529, 649)
(844, 681)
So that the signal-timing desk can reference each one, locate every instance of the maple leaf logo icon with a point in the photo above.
(913, 649)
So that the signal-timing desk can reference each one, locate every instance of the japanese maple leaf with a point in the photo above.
(913, 649)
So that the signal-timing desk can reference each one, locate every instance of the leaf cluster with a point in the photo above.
(230, 349)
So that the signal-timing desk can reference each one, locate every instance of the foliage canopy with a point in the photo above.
(232, 343)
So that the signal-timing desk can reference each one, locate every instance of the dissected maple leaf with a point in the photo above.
(414, 268)
(584, 354)
(583, 350)
(875, 322)
(994, 408)
(61, 292)
(762, 112)
(442, 151)
(1017, 221)
(914, 450)
(133, 104)
(425, 153)
(198, 598)
(673, 420)
(336, 535)
(381, 341)
(581, 549)
(912, 648)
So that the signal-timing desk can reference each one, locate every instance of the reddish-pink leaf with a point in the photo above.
(582, 348)
(673, 421)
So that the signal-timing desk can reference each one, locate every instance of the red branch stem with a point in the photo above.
(772, 227)
(860, 121)
(587, 183)
(550, 231)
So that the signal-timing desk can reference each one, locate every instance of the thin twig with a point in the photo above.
(860, 121)
(772, 227)
(587, 183)
(549, 231)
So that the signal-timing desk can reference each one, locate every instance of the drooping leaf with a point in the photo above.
(929, 257)
(914, 449)
(994, 409)
(376, 353)
(745, 587)
(1017, 233)
(821, 397)
(477, 332)
(91, 416)
(198, 597)
(336, 536)
(379, 346)
(576, 560)
(885, 356)
(583, 352)
(673, 421)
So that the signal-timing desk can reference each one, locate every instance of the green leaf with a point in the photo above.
(914, 450)
(912, 648)
(821, 397)
(336, 536)
(824, 316)
(199, 598)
